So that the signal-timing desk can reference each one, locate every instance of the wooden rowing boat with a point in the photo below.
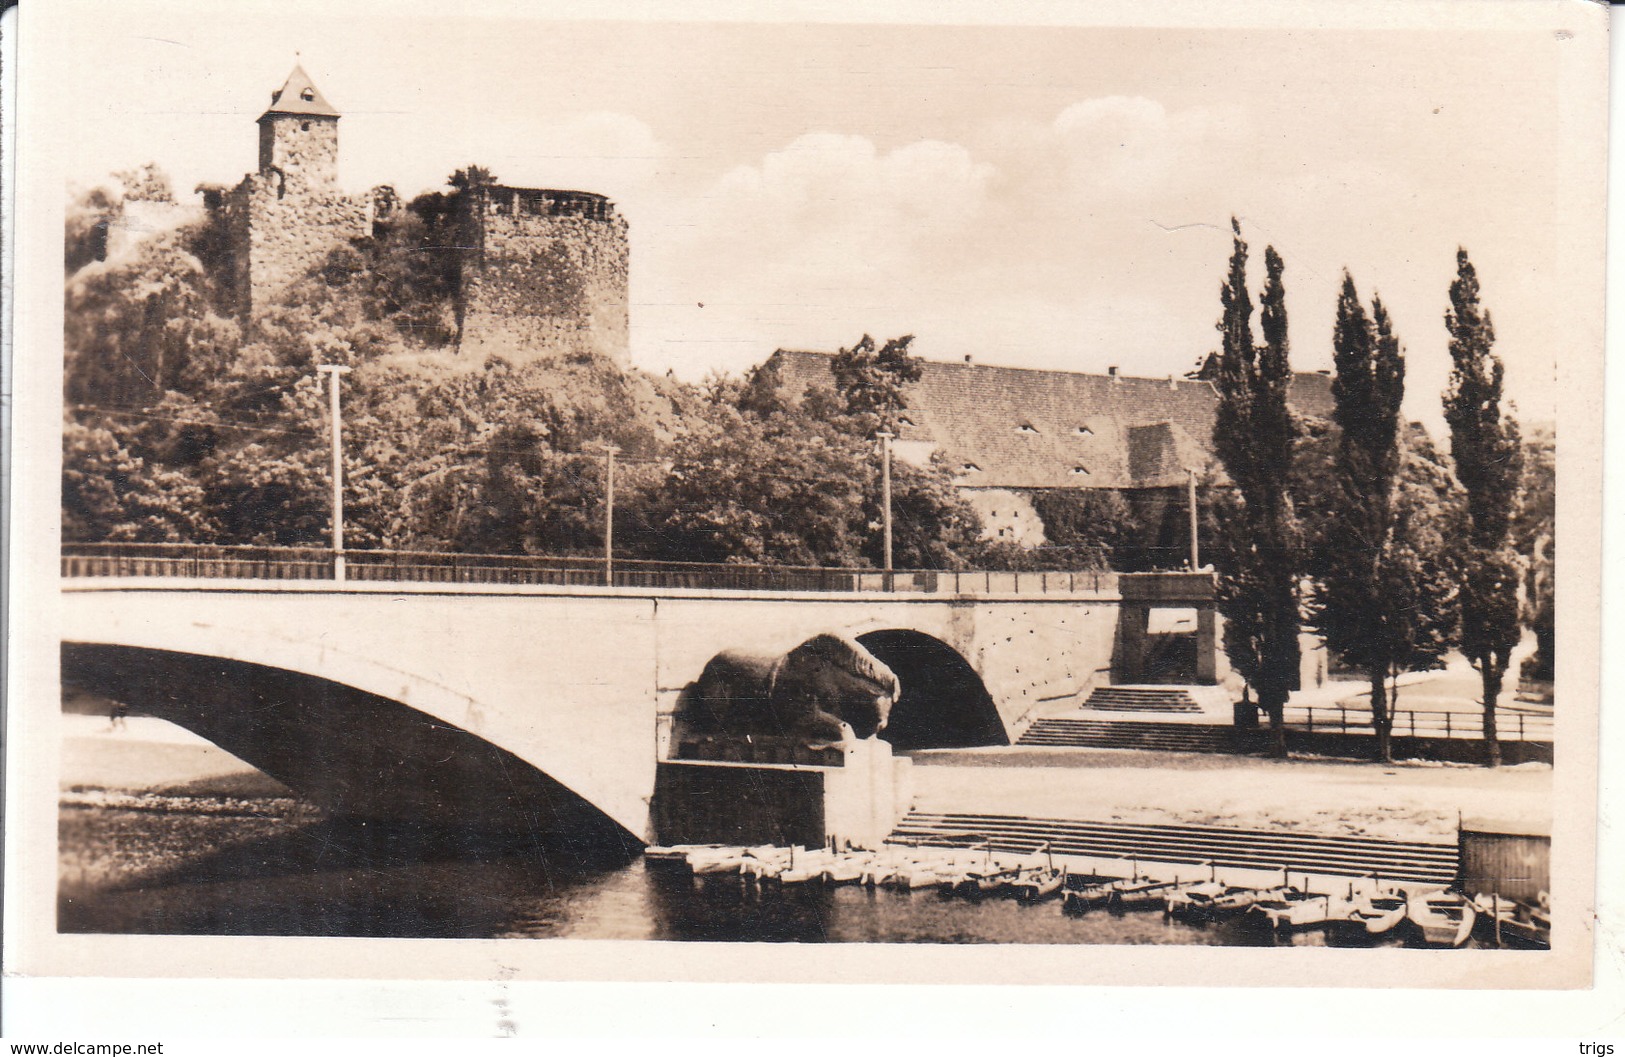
(1039, 884)
(1445, 918)
(1296, 910)
(1143, 894)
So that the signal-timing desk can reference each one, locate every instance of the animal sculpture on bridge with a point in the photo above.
(827, 691)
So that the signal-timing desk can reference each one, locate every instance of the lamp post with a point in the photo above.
(333, 370)
(609, 514)
(885, 503)
(1191, 485)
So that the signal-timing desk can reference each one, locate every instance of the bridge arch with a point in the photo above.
(944, 704)
(357, 753)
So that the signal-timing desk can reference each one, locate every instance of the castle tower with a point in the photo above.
(299, 135)
(284, 219)
(544, 275)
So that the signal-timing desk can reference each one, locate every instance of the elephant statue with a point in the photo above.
(827, 691)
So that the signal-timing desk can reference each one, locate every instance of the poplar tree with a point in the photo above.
(1379, 601)
(1254, 434)
(1488, 453)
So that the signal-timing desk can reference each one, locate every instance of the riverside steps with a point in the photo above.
(1171, 849)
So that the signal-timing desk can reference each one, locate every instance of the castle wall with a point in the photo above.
(287, 231)
(547, 277)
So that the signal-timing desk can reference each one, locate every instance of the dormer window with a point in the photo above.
(970, 467)
(1085, 431)
(1084, 470)
(308, 94)
(1027, 427)
(904, 420)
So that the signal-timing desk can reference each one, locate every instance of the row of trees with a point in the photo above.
(1360, 530)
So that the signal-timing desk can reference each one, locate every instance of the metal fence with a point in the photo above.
(206, 561)
(1421, 723)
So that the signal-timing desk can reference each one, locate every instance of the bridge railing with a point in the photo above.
(220, 561)
(1421, 723)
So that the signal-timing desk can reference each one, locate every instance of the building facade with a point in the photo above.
(1008, 433)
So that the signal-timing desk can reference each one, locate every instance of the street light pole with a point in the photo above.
(333, 371)
(1195, 556)
(885, 501)
(609, 514)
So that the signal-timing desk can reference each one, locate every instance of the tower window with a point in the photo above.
(304, 126)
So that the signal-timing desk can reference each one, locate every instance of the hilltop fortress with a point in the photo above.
(541, 273)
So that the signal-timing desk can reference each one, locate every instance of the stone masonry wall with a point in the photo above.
(547, 277)
(287, 235)
(305, 149)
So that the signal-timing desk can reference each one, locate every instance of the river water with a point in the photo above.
(273, 866)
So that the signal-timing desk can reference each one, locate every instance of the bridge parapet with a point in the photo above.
(207, 561)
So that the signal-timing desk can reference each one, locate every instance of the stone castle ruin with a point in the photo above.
(545, 273)
(541, 273)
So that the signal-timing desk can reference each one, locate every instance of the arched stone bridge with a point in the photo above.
(542, 707)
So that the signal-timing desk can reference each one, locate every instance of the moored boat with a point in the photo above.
(1205, 904)
(1445, 918)
(1240, 900)
(1297, 910)
(1504, 922)
(1143, 894)
(679, 854)
(1038, 884)
(846, 868)
(805, 867)
(1377, 913)
(1192, 900)
(1097, 894)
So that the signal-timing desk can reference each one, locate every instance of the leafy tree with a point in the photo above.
(472, 178)
(1089, 528)
(875, 381)
(143, 324)
(932, 526)
(1254, 432)
(782, 489)
(88, 216)
(1488, 456)
(1378, 600)
(112, 495)
(1535, 536)
(1351, 604)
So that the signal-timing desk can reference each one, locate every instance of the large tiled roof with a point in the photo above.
(1009, 427)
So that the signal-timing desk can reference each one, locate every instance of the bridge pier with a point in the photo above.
(1143, 592)
(857, 803)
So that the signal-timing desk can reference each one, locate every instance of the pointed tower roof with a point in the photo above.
(298, 95)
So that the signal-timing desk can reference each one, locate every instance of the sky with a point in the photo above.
(1054, 196)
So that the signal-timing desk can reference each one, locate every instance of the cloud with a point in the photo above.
(842, 189)
(1131, 144)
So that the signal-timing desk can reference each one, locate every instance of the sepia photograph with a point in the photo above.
(1041, 485)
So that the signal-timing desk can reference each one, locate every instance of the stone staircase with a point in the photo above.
(1065, 732)
(1222, 846)
(1142, 699)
